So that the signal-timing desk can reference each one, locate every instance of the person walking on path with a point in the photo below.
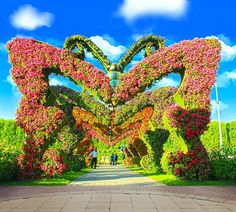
(113, 159)
(116, 158)
(94, 156)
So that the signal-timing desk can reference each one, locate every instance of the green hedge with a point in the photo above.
(12, 133)
(11, 140)
(104, 150)
(222, 164)
(231, 129)
(210, 138)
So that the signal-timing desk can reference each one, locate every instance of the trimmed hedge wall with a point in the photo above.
(231, 129)
(11, 132)
(210, 138)
(11, 140)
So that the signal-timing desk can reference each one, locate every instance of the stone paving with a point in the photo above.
(138, 194)
(114, 176)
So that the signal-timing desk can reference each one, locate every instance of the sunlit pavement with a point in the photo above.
(117, 189)
(114, 176)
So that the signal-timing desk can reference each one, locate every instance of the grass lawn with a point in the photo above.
(57, 181)
(172, 180)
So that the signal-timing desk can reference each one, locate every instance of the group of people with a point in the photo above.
(114, 158)
(94, 154)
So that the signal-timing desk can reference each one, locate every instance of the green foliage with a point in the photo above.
(104, 150)
(165, 162)
(67, 139)
(231, 129)
(155, 141)
(147, 162)
(223, 163)
(131, 161)
(141, 148)
(72, 160)
(171, 180)
(11, 140)
(8, 165)
(210, 138)
(75, 162)
(56, 181)
(173, 145)
(10, 132)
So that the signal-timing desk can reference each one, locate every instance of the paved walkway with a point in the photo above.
(114, 176)
(119, 190)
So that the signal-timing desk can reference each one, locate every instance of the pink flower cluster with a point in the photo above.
(52, 163)
(33, 60)
(196, 60)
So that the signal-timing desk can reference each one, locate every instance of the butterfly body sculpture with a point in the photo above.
(115, 106)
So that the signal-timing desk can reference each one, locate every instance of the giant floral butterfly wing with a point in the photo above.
(196, 61)
(36, 60)
(143, 113)
(32, 62)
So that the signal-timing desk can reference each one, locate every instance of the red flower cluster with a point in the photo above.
(30, 159)
(190, 124)
(192, 165)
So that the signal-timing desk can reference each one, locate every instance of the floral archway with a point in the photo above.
(116, 105)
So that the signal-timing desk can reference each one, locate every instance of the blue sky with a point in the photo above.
(114, 26)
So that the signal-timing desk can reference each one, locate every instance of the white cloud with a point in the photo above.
(52, 82)
(10, 80)
(224, 79)
(3, 49)
(133, 9)
(222, 106)
(111, 51)
(55, 82)
(29, 18)
(23, 36)
(167, 82)
(224, 39)
(13, 84)
(137, 36)
(164, 82)
(134, 62)
(228, 52)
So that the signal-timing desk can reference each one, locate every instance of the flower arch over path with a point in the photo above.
(114, 107)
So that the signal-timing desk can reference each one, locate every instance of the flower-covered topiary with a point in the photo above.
(114, 107)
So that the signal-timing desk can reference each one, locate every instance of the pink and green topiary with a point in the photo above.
(114, 107)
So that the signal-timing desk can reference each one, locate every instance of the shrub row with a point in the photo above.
(11, 139)
(210, 138)
(11, 142)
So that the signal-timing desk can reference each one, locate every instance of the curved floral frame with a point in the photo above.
(186, 115)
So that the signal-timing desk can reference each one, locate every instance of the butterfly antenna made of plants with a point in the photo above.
(81, 43)
(147, 42)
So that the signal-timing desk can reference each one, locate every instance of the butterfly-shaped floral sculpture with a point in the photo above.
(115, 106)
